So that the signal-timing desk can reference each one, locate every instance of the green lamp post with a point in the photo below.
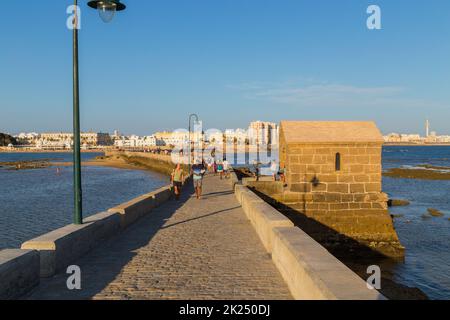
(106, 9)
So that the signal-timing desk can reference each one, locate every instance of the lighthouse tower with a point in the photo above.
(427, 128)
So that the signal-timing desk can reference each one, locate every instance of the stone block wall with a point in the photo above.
(311, 169)
(348, 201)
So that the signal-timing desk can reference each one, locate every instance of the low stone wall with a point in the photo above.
(19, 272)
(248, 180)
(234, 180)
(133, 210)
(21, 269)
(263, 217)
(266, 186)
(334, 223)
(309, 270)
(59, 248)
(312, 273)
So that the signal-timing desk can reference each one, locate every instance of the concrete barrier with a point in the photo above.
(239, 190)
(135, 209)
(19, 272)
(310, 271)
(234, 180)
(59, 248)
(249, 180)
(248, 199)
(265, 219)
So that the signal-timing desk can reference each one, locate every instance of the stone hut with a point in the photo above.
(333, 176)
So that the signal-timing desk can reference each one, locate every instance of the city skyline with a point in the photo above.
(257, 133)
(427, 130)
(226, 63)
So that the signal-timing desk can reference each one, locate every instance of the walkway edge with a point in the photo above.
(59, 248)
(19, 272)
(309, 270)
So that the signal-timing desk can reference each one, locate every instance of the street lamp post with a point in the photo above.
(203, 146)
(78, 213)
(107, 9)
(190, 145)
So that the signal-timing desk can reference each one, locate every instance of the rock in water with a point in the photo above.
(435, 212)
(398, 203)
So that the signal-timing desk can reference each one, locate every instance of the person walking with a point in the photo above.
(274, 169)
(210, 165)
(197, 176)
(226, 169)
(220, 170)
(177, 179)
(257, 170)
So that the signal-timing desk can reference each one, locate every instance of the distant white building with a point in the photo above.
(27, 138)
(176, 138)
(416, 138)
(63, 140)
(135, 141)
(403, 138)
(263, 133)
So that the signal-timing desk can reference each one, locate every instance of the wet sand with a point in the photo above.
(125, 162)
(105, 162)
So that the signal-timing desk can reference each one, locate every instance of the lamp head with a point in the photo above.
(107, 8)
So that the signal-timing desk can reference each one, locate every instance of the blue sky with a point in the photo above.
(230, 61)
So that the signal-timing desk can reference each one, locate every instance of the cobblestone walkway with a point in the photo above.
(191, 249)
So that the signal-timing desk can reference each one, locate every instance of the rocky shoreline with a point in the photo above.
(26, 164)
(421, 172)
(116, 161)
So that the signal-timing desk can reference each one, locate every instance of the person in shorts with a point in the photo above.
(274, 169)
(220, 170)
(197, 176)
(177, 179)
(215, 167)
(226, 168)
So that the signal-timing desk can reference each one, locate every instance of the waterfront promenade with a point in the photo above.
(190, 249)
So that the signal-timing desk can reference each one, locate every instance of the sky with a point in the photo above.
(229, 61)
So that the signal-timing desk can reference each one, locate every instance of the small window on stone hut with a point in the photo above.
(338, 162)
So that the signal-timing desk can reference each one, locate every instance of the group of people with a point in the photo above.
(198, 171)
(219, 167)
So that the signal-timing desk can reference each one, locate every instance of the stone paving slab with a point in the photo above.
(187, 249)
